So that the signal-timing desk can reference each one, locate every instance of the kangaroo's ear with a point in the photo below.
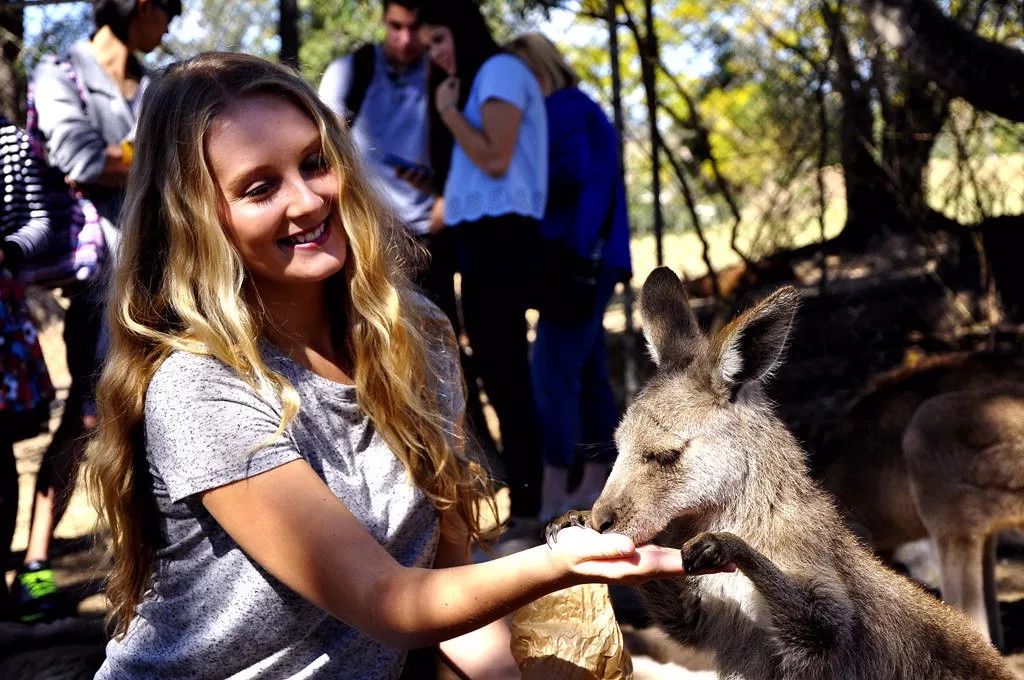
(751, 346)
(668, 322)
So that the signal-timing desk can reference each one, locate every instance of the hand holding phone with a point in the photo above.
(407, 165)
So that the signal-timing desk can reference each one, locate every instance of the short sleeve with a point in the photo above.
(506, 78)
(205, 427)
(334, 85)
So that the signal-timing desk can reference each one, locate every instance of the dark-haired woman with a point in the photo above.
(489, 145)
(87, 102)
(586, 214)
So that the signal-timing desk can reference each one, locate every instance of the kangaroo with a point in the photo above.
(860, 456)
(964, 453)
(704, 463)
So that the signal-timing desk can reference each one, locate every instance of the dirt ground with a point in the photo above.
(73, 648)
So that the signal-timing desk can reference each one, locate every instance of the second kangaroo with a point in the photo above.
(704, 463)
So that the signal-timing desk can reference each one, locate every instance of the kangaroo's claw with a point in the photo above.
(709, 553)
(573, 518)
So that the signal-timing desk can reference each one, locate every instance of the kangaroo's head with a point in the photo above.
(686, 440)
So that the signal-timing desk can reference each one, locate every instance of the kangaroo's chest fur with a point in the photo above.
(719, 613)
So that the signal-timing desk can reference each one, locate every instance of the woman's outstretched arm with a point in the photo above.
(485, 653)
(289, 521)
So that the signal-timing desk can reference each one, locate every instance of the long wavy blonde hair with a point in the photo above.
(181, 285)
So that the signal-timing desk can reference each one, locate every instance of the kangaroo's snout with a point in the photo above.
(602, 517)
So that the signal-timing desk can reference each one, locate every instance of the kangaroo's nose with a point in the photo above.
(602, 518)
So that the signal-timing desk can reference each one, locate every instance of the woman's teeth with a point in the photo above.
(308, 236)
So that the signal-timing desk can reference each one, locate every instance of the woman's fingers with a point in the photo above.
(588, 544)
(614, 557)
(646, 563)
(658, 561)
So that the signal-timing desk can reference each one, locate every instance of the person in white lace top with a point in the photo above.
(489, 150)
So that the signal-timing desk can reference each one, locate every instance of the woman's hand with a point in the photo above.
(437, 216)
(590, 556)
(446, 97)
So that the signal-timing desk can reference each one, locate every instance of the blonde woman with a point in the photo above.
(585, 218)
(279, 453)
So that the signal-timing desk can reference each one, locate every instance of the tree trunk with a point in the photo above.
(986, 74)
(288, 29)
(649, 59)
(871, 206)
(911, 128)
(12, 30)
(630, 381)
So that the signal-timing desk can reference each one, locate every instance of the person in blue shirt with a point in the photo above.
(586, 203)
(390, 120)
(489, 150)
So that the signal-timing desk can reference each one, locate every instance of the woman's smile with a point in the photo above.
(310, 239)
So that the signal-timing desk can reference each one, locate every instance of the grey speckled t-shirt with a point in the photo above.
(213, 612)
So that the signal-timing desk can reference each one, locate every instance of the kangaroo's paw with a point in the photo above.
(711, 553)
(573, 518)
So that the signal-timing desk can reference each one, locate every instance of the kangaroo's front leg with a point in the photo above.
(812, 617)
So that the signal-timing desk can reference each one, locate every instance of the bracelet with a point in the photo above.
(127, 152)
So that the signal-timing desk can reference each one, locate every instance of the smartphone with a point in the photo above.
(405, 164)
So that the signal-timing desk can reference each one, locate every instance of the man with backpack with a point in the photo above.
(381, 90)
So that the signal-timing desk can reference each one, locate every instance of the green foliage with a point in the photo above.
(331, 28)
(750, 96)
(53, 31)
(248, 26)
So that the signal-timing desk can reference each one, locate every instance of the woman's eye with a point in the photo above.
(259, 192)
(316, 163)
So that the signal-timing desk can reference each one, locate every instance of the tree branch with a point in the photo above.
(986, 74)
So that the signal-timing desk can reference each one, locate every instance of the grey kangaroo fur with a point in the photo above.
(937, 451)
(704, 463)
(964, 454)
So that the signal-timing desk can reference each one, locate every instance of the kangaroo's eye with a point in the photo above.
(666, 457)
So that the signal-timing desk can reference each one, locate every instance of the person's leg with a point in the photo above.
(493, 257)
(437, 278)
(8, 517)
(437, 281)
(58, 470)
(35, 590)
(558, 353)
(599, 411)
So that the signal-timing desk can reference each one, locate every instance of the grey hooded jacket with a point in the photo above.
(77, 135)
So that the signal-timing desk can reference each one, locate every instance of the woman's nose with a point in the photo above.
(304, 199)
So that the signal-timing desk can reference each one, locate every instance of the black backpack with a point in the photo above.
(364, 60)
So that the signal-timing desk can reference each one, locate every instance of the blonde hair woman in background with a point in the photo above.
(585, 219)
(279, 455)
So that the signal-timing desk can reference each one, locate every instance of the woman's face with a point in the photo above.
(148, 25)
(280, 194)
(440, 45)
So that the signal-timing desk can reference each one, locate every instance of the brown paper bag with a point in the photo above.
(570, 635)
